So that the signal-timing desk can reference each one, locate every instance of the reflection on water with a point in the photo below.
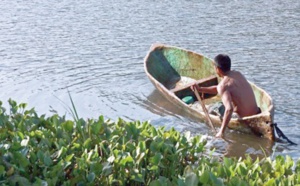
(241, 144)
(95, 50)
(181, 120)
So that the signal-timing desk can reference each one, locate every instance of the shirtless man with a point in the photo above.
(235, 91)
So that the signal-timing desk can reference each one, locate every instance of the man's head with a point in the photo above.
(223, 62)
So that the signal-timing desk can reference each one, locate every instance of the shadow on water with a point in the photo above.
(236, 144)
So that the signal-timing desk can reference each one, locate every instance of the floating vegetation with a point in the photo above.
(40, 150)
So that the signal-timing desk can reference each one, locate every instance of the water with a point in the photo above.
(95, 50)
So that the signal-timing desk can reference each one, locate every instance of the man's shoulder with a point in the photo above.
(222, 86)
(237, 73)
(226, 84)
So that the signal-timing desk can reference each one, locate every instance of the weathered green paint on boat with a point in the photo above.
(168, 66)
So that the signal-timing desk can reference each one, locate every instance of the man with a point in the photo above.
(235, 91)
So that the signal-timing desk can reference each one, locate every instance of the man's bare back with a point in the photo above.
(242, 95)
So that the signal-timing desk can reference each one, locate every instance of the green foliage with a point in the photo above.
(38, 150)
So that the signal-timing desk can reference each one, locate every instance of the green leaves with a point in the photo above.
(68, 126)
(36, 150)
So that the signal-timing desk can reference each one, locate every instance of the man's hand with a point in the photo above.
(192, 88)
(219, 134)
(195, 87)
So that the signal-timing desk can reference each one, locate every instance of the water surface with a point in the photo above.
(95, 50)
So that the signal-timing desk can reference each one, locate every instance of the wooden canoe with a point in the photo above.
(172, 70)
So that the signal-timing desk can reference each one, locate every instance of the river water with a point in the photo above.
(95, 49)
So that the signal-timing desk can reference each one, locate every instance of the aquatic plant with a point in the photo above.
(40, 150)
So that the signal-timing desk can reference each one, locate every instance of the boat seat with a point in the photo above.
(185, 90)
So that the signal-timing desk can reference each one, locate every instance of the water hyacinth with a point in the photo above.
(40, 150)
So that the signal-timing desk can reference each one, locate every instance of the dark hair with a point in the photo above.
(223, 62)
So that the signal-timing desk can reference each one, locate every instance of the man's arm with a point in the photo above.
(208, 90)
(227, 101)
